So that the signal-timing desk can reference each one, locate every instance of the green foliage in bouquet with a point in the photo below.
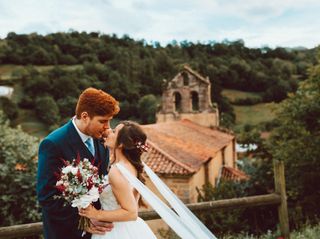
(18, 165)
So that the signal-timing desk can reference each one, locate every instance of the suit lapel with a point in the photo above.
(101, 157)
(101, 154)
(76, 143)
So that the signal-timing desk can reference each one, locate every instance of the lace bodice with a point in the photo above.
(108, 200)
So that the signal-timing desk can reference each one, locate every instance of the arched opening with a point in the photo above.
(185, 78)
(195, 101)
(177, 101)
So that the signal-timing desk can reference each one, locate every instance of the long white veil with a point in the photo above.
(187, 216)
(183, 222)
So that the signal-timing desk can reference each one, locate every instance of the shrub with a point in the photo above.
(18, 154)
(9, 108)
(47, 110)
(147, 109)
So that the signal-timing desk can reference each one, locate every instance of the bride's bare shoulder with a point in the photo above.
(116, 176)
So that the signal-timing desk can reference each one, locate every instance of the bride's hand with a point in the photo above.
(89, 212)
(104, 137)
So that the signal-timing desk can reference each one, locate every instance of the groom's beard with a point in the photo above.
(92, 131)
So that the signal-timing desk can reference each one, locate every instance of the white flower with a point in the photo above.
(76, 192)
(74, 170)
(59, 183)
(94, 192)
(67, 169)
(85, 200)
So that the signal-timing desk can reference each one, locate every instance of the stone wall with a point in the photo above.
(214, 168)
(176, 85)
(230, 155)
(204, 114)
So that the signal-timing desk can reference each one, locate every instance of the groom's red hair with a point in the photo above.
(96, 103)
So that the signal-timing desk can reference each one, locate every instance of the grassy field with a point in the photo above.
(31, 124)
(232, 95)
(249, 114)
(8, 72)
(254, 114)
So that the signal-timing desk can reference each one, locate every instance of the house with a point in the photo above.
(187, 155)
(187, 146)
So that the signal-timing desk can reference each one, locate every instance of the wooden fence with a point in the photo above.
(278, 198)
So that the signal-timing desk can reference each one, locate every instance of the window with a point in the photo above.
(195, 101)
(185, 78)
(177, 101)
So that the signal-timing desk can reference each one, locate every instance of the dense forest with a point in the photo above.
(133, 71)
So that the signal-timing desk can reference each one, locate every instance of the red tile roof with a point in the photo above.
(233, 174)
(181, 147)
(162, 163)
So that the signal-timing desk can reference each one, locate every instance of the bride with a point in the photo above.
(121, 199)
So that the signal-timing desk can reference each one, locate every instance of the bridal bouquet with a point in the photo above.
(80, 185)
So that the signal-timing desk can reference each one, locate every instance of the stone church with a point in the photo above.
(188, 96)
(188, 148)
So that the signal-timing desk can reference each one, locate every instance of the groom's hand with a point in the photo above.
(99, 227)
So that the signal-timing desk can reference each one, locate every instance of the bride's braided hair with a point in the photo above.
(131, 137)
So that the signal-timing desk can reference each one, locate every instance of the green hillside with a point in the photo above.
(232, 95)
(254, 114)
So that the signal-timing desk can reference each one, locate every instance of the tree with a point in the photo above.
(66, 106)
(47, 110)
(18, 165)
(9, 108)
(38, 56)
(3, 50)
(223, 222)
(147, 109)
(296, 141)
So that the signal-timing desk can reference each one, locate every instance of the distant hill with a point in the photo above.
(130, 69)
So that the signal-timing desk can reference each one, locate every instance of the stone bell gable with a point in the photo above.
(188, 96)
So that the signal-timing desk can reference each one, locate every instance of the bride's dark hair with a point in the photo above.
(130, 137)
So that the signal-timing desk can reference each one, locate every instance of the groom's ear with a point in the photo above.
(85, 116)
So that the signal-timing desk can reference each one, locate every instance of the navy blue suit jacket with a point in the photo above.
(61, 221)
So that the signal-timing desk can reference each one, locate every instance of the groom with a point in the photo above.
(81, 134)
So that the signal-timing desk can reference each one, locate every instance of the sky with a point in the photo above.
(272, 23)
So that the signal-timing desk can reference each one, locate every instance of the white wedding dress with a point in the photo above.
(122, 230)
(181, 220)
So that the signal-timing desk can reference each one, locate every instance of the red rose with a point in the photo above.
(61, 188)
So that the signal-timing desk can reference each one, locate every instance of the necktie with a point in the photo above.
(90, 146)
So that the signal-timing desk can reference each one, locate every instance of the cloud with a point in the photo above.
(272, 22)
